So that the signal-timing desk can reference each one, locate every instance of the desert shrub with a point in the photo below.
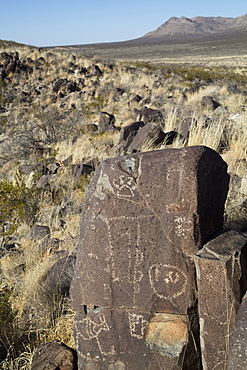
(55, 126)
(7, 315)
(206, 74)
(40, 128)
(83, 182)
(95, 106)
(17, 204)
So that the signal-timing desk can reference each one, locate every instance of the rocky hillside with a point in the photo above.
(61, 114)
(182, 27)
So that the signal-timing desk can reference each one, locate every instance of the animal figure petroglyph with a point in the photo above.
(94, 329)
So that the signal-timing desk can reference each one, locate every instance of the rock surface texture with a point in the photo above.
(54, 356)
(134, 290)
(221, 281)
(238, 345)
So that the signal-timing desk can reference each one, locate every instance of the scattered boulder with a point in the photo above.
(170, 137)
(118, 93)
(86, 167)
(42, 182)
(209, 102)
(157, 84)
(221, 111)
(59, 84)
(137, 98)
(128, 133)
(236, 204)
(59, 277)
(149, 135)
(12, 64)
(26, 168)
(72, 87)
(54, 356)
(51, 244)
(39, 232)
(94, 70)
(52, 168)
(148, 115)
(65, 86)
(134, 290)
(68, 161)
(146, 100)
(185, 126)
(106, 122)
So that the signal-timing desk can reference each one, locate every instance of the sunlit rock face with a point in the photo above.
(144, 217)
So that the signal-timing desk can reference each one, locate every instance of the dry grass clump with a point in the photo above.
(208, 135)
(236, 155)
(38, 314)
(99, 145)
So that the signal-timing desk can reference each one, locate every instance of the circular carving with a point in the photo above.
(167, 281)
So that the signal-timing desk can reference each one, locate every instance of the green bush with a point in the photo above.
(17, 204)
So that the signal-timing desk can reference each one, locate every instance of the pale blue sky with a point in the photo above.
(68, 22)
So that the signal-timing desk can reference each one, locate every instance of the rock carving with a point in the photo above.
(144, 217)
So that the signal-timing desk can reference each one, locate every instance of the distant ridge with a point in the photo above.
(179, 40)
(184, 27)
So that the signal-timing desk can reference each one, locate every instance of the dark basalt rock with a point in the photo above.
(237, 358)
(54, 356)
(134, 290)
(127, 134)
(209, 102)
(106, 122)
(148, 115)
(185, 126)
(59, 277)
(40, 232)
(221, 280)
(149, 134)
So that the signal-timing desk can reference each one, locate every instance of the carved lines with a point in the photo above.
(183, 226)
(136, 277)
(93, 330)
(164, 278)
(125, 186)
(137, 325)
(134, 253)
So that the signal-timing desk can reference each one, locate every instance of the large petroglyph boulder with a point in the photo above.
(145, 215)
(221, 267)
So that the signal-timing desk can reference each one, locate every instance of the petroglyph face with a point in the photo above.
(167, 281)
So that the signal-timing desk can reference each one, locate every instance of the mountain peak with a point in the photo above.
(181, 27)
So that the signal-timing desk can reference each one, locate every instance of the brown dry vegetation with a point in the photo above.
(34, 114)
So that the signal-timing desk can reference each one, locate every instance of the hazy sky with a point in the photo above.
(68, 22)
